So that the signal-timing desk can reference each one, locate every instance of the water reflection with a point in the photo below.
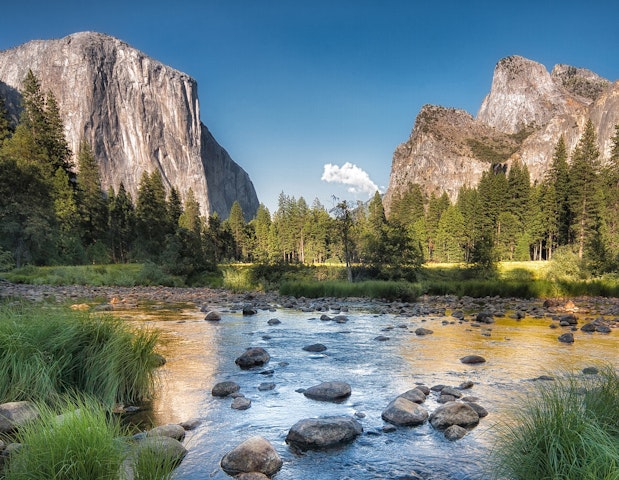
(201, 353)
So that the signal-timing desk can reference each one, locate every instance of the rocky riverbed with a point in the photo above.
(209, 298)
(384, 353)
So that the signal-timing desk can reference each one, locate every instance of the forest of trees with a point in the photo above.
(54, 211)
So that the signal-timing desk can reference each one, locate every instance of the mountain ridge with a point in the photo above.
(526, 111)
(137, 113)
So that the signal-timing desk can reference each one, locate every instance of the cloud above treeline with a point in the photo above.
(348, 174)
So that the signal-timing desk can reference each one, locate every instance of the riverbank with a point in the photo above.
(214, 298)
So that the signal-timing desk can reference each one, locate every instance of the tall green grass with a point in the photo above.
(567, 429)
(392, 290)
(83, 443)
(47, 352)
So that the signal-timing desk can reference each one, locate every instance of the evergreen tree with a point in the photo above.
(53, 139)
(408, 207)
(519, 192)
(559, 212)
(450, 236)
(190, 218)
(122, 224)
(262, 225)
(236, 223)
(5, 123)
(610, 202)
(174, 209)
(469, 206)
(584, 200)
(436, 207)
(152, 219)
(27, 227)
(93, 209)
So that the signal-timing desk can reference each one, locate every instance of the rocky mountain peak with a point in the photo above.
(523, 93)
(522, 117)
(137, 113)
(580, 81)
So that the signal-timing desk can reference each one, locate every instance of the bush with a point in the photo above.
(567, 429)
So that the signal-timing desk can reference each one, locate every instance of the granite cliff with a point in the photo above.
(523, 116)
(137, 113)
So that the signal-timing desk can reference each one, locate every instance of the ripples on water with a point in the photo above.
(201, 354)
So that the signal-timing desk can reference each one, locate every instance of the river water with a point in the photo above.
(200, 354)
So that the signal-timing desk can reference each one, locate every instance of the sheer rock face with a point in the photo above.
(522, 117)
(137, 113)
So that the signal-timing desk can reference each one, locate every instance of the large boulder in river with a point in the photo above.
(253, 357)
(322, 433)
(454, 413)
(403, 412)
(15, 414)
(329, 391)
(255, 454)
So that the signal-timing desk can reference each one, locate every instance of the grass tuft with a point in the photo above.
(567, 429)
(47, 352)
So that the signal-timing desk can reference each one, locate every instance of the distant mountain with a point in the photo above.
(137, 113)
(522, 117)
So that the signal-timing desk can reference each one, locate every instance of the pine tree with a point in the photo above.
(53, 139)
(236, 223)
(436, 207)
(121, 224)
(5, 123)
(190, 218)
(174, 209)
(262, 224)
(91, 198)
(469, 206)
(557, 177)
(519, 192)
(152, 220)
(450, 236)
(583, 176)
(610, 202)
(408, 207)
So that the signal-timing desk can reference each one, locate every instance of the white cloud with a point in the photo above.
(352, 175)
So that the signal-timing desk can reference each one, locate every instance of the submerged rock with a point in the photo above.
(322, 433)
(241, 403)
(472, 359)
(329, 391)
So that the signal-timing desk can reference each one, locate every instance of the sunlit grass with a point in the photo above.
(46, 352)
(83, 443)
(567, 429)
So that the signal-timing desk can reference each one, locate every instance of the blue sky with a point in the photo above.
(288, 87)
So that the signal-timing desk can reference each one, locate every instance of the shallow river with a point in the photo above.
(200, 354)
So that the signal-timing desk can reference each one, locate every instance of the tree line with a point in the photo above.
(55, 212)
